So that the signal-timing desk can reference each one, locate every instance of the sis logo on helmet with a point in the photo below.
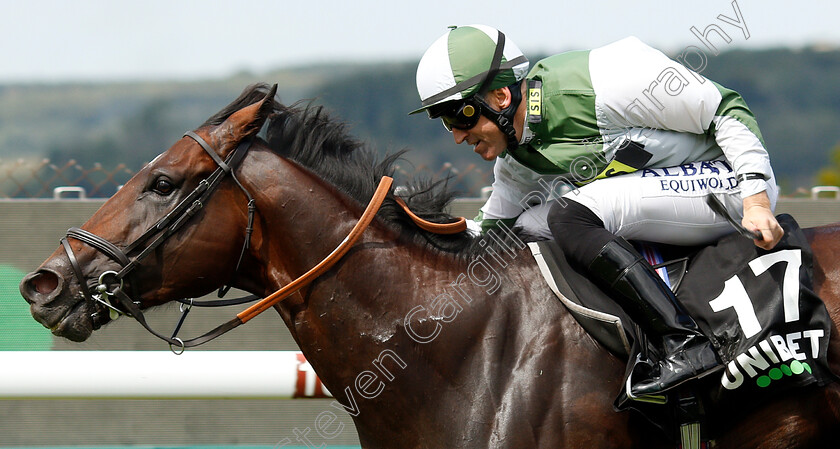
(458, 63)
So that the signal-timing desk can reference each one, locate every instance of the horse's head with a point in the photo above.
(142, 240)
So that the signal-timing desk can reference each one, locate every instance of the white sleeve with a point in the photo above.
(745, 152)
(637, 86)
(505, 198)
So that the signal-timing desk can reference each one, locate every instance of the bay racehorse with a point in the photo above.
(428, 341)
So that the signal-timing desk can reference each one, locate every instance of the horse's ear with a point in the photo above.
(243, 123)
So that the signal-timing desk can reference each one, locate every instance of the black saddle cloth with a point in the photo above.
(757, 307)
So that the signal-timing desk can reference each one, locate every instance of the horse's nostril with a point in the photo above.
(44, 282)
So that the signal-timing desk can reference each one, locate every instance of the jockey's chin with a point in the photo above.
(488, 152)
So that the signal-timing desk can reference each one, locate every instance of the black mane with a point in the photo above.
(309, 136)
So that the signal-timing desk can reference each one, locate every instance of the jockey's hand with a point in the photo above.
(759, 217)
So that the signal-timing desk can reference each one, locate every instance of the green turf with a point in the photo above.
(18, 331)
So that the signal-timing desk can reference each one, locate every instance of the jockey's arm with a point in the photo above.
(504, 204)
(700, 106)
(737, 133)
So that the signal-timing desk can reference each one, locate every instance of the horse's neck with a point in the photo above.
(353, 312)
(300, 220)
(396, 329)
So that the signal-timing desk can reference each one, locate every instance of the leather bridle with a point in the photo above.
(155, 235)
(175, 220)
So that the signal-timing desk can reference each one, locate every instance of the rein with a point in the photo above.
(171, 223)
(459, 225)
(164, 228)
(185, 210)
(281, 294)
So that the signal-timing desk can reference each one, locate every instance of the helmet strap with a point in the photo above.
(504, 118)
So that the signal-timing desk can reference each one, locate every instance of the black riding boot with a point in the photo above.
(680, 352)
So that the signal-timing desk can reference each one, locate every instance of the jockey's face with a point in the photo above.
(487, 139)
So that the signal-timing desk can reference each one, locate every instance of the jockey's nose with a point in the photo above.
(459, 135)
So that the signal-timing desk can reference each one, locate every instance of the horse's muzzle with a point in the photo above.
(41, 287)
(57, 304)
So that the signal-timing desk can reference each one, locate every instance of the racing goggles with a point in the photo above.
(461, 115)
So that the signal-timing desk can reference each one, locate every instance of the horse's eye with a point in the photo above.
(163, 186)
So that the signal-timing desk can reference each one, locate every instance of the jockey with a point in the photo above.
(640, 140)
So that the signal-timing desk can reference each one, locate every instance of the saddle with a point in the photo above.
(593, 309)
(778, 343)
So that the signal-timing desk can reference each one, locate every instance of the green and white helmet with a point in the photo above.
(457, 64)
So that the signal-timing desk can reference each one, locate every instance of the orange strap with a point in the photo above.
(455, 227)
(329, 261)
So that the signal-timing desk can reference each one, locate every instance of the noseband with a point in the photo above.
(163, 229)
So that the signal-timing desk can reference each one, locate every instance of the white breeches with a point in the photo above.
(665, 205)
